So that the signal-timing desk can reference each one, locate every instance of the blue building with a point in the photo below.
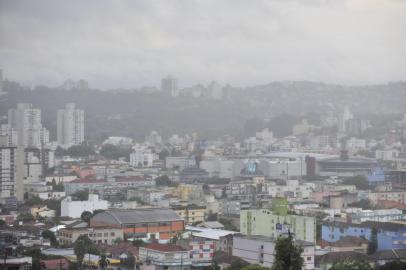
(390, 235)
(376, 176)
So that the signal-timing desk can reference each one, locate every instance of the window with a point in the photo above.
(308, 258)
(99, 235)
(106, 234)
(112, 234)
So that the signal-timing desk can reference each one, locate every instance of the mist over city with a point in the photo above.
(187, 134)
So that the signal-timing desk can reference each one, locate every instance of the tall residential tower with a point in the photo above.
(71, 126)
(26, 121)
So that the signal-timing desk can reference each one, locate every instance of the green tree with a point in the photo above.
(255, 267)
(288, 254)
(237, 264)
(164, 180)
(212, 217)
(394, 265)
(115, 152)
(351, 265)
(360, 181)
(206, 189)
(47, 234)
(35, 254)
(282, 125)
(214, 266)
(82, 246)
(86, 216)
(138, 243)
(25, 217)
(103, 262)
(54, 205)
(34, 201)
(81, 195)
(83, 150)
(129, 262)
(373, 243)
(163, 154)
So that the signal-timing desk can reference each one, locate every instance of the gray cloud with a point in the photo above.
(135, 43)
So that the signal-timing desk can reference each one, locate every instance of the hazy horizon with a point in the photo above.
(131, 44)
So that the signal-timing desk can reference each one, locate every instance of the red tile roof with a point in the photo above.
(163, 247)
(129, 178)
(55, 264)
(85, 180)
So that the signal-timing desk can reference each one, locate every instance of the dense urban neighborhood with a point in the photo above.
(333, 190)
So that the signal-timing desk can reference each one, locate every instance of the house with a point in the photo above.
(211, 225)
(120, 251)
(389, 235)
(324, 262)
(261, 250)
(168, 257)
(55, 264)
(99, 235)
(347, 243)
(190, 213)
(385, 256)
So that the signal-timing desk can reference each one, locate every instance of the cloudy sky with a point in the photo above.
(243, 42)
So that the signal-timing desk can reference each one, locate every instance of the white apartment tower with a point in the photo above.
(1, 82)
(11, 170)
(169, 85)
(71, 125)
(26, 122)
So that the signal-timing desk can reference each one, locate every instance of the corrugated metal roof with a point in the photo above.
(142, 215)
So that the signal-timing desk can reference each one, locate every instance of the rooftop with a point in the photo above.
(85, 180)
(164, 247)
(135, 216)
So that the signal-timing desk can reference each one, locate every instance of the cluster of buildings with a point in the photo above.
(26, 151)
(192, 202)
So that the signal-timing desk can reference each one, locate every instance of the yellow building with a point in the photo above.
(184, 191)
(190, 213)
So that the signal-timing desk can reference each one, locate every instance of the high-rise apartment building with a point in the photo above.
(1, 82)
(11, 170)
(26, 121)
(71, 125)
(169, 85)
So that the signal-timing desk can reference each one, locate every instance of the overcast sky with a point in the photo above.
(243, 42)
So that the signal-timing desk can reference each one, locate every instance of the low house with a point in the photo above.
(261, 250)
(326, 261)
(347, 243)
(168, 257)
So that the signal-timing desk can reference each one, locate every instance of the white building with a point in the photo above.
(169, 85)
(11, 133)
(118, 141)
(71, 125)
(154, 139)
(27, 122)
(1, 82)
(11, 170)
(343, 118)
(217, 167)
(74, 209)
(261, 250)
(179, 162)
(142, 157)
(215, 90)
(356, 144)
(389, 154)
